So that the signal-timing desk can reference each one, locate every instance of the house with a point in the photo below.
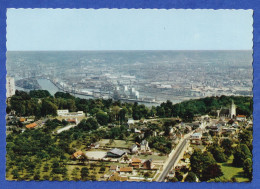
(114, 168)
(22, 119)
(228, 131)
(241, 118)
(66, 113)
(171, 174)
(115, 153)
(222, 123)
(77, 155)
(94, 145)
(196, 136)
(72, 120)
(216, 129)
(144, 146)
(187, 160)
(206, 139)
(136, 162)
(130, 121)
(62, 112)
(116, 177)
(235, 125)
(133, 149)
(30, 126)
(28, 120)
(125, 170)
(180, 166)
(171, 130)
(148, 164)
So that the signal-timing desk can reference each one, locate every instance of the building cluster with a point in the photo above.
(172, 76)
(71, 117)
(226, 124)
(129, 173)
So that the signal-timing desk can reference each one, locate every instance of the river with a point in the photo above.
(49, 86)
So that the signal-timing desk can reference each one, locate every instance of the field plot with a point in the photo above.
(153, 157)
(96, 154)
(115, 143)
(230, 171)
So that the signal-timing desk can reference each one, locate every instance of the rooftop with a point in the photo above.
(136, 160)
(117, 151)
(32, 125)
(78, 153)
(126, 169)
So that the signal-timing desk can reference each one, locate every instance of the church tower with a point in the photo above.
(232, 110)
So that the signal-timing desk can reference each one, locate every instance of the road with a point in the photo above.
(65, 128)
(176, 154)
(174, 158)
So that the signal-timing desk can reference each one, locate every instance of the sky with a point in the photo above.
(129, 29)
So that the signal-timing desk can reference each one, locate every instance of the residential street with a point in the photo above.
(173, 157)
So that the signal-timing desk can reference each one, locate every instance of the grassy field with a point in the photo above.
(153, 157)
(116, 143)
(230, 171)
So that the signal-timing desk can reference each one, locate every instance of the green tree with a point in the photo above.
(201, 164)
(39, 93)
(218, 153)
(191, 177)
(247, 167)
(89, 124)
(122, 115)
(84, 173)
(15, 174)
(37, 175)
(48, 108)
(211, 171)
(226, 144)
(174, 179)
(241, 153)
(102, 118)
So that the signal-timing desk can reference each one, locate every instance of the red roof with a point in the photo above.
(32, 125)
(241, 116)
(126, 169)
(71, 120)
(77, 154)
(22, 119)
(136, 160)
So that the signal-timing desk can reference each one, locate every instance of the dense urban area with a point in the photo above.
(143, 76)
(63, 137)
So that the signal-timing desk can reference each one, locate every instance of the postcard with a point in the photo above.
(144, 95)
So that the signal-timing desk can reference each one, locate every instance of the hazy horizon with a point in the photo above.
(121, 29)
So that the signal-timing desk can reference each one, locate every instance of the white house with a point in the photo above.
(241, 118)
(196, 136)
(69, 114)
(62, 112)
(130, 121)
(134, 148)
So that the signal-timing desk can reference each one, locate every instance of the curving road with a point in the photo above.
(172, 161)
